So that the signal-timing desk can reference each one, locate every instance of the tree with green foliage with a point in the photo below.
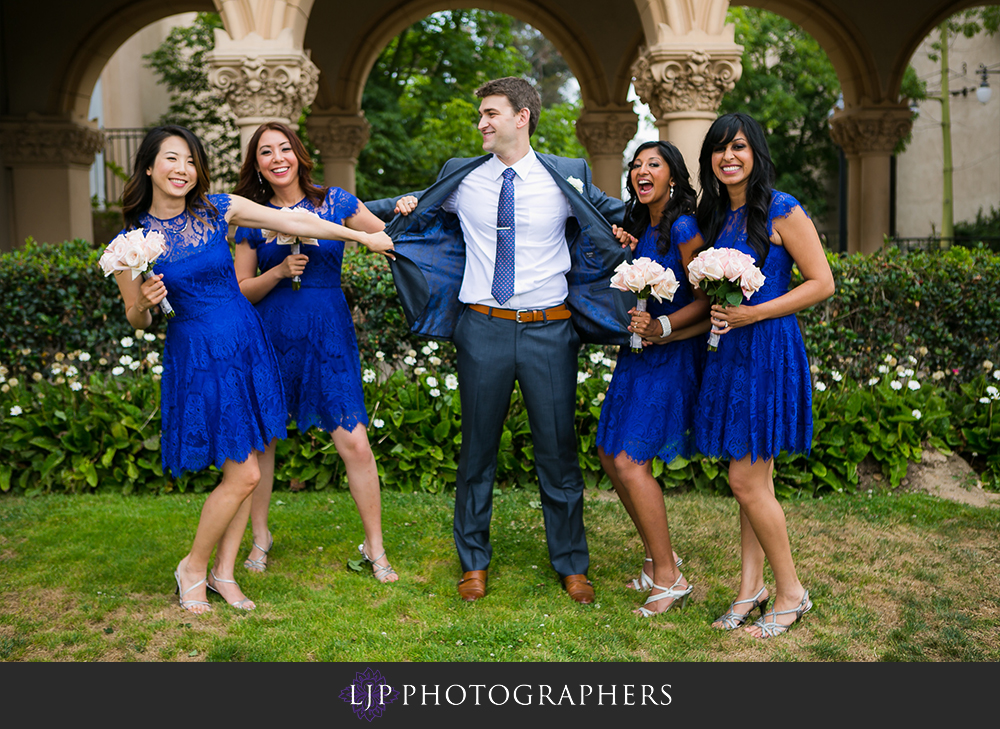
(420, 97)
(179, 63)
(790, 87)
(967, 23)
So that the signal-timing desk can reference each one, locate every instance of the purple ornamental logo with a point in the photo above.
(369, 694)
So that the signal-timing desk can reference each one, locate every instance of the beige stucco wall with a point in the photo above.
(975, 141)
(126, 79)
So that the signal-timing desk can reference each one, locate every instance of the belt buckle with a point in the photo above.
(517, 316)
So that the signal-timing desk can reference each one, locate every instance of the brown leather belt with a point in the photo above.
(524, 315)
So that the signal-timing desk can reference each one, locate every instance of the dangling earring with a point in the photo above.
(260, 179)
(669, 198)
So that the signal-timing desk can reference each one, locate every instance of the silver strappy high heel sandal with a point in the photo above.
(260, 565)
(381, 573)
(239, 605)
(644, 583)
(679, 596)
(188, 604)
(769, 625)
(733, 620)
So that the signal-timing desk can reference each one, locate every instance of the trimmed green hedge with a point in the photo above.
(79, 394)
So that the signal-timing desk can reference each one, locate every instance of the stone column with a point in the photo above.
(262, 79)
(682, 80)
(339, 136)
(868, 134)
(50, 158)
(605, 133)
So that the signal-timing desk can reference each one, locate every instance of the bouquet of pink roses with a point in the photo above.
(135, 251)
(644, 277)
(293, 241)
(727, 276)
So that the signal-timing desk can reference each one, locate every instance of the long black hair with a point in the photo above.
(715, 202)
(681, 202)
(138, 193)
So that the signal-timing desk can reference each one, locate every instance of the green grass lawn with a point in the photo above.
(894, 577)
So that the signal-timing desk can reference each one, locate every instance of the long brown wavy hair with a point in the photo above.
(138, 193)
(252, 184)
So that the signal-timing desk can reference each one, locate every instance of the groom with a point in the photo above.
(510, 256)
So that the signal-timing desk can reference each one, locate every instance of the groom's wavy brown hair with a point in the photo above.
(520, 93)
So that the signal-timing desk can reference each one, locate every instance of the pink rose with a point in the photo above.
(751, 281)
(665, 286)
(735, 264)
(154, 245)
(618, 280)
(713, 267)
(696, 270)
(635, 276)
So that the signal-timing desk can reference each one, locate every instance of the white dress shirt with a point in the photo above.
(541, 254)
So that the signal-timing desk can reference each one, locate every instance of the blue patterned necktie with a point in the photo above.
(503, 272)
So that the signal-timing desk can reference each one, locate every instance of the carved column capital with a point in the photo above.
(339, 135)
(261, 80)
(671, 79)
(36, 140)
(874, 129)
(606, 131)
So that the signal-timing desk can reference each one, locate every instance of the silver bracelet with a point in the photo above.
(665, 323)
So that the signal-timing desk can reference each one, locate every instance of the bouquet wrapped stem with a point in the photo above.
(165, 307)
(644, 277)
(296, 279)
(727, 276)
(636, 342)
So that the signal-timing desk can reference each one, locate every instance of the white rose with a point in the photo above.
(577, 183)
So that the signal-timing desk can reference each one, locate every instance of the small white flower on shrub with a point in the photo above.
(127, 342)
(435, 392)
(836, 376)
(368, 376)
(75, 386)
(432, 382)
(153, 357)
(996, 374)
(451, 382)
(158, 370)
(118, 371)
(896, 385)
(84, 356)
(606, 377)
(135, 365)
(37, 377)
(378, 422)
(409, 360)
(16, 410)
(125, 360)
(419, 370)
(581, 377)
(425, 350)
(987, 365)
(917, 414)
(596, 357)
(913, 385)
(436, 361)
(883, 370)
(992, 392)
(433, 346)
(984, 400)
(873, 381)
(149, 337)
(71, 371)
(821, 386)
(938, 376)
(380, 355)
(608, 363)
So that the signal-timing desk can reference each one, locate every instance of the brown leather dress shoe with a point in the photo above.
(579, 588)
(472, 586)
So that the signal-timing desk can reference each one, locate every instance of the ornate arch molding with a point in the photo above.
(100, 41)
(838, 36)
(266, 18)
(569, 41)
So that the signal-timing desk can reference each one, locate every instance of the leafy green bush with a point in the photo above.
(53, 298)
(893, 302)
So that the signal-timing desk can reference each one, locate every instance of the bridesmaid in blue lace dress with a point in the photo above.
(311, 329)
(649, 406)
(221, 396)
(756, 396)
